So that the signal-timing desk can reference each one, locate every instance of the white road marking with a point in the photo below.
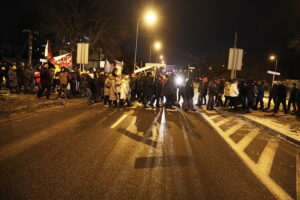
(224, 121)
(214, 116)
(248, 139)
(233, 129)
(298, 174)
(267, 156)
(119, 121)
(269, 183)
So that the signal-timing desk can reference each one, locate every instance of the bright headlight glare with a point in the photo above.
(179, 80)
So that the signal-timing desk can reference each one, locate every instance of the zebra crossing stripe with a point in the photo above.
(224, 121)
(269, 183)
(214, 116)
(233, 129)
(267, 156)
(248, 139)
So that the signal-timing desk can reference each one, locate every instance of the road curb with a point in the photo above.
(262, 126)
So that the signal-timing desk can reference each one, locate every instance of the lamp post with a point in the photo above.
(272, 58)
(150, 18)
(157, 46)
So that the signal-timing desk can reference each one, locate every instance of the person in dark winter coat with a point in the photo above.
(221, 86)
(273, 94)
(250, 96)
(148, 89)
(170, 92)
(292, 99)
(188, 96)
(21, 75)
(45, 81)
(83, 87)
(243, 93)
(139, 88)
(13, 78)
(158, 92)
(212, 93)
(133, 87)
(29, 80)
(260, 95)
(101, 81)
(281, 97)
(203, 87)
(73, 82)
(298, 102)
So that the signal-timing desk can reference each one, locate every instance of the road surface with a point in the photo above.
(96, 152)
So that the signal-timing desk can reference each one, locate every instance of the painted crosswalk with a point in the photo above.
(228, 127)
(249, 133)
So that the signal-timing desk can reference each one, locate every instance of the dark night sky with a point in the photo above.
(196, 30)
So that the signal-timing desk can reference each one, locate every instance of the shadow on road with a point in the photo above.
(137, 137)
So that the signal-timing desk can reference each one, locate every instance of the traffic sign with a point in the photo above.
(235, 60)
(274, 73)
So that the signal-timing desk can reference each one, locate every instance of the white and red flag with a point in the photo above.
(62, 61)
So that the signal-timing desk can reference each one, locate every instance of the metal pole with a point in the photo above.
(233, 70)
(150, 54)
(29, 47)
(136, 44)
(276, 62)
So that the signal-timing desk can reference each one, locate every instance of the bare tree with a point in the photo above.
(67, 22)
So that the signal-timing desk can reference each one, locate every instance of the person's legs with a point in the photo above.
(41, 91)
(26, 85)
(294, 106)
(276, 108)
(191, 103)
(284, 105)
(209, 103)
(48, 90)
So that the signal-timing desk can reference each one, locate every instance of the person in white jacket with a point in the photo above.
(125, 92)
(234, 93)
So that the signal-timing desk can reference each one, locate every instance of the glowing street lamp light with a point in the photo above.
(272, 57)
(161, 57)
(157, 45)
(150, 18)
(163, 62)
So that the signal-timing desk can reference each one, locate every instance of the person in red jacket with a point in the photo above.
(37, 77)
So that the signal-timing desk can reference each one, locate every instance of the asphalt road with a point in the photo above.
(95, 152)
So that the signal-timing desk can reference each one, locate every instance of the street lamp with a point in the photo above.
(157, 46)
(272, 58)
(150, 18)
(161, 57)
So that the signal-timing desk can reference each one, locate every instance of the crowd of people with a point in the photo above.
(248, 95)
(147, 88)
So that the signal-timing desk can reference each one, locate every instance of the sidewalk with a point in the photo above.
(14, 105)
(282, 125)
